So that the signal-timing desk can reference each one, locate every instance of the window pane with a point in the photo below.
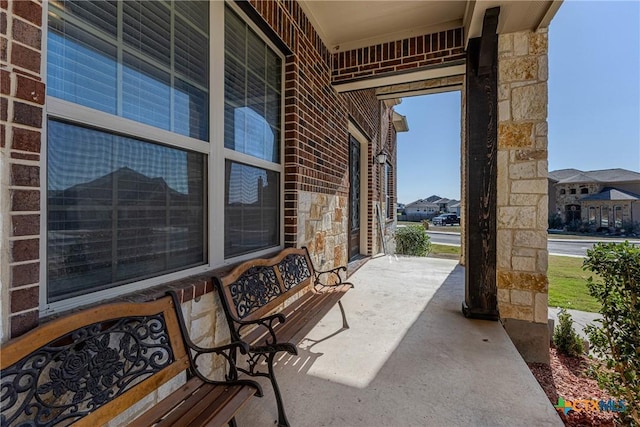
(164, 53)
(253, 97)
(251, 209)
(147, 29)
(146, 93)
(81, 68)
(119, 210)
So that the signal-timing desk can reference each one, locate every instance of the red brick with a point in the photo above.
(25, 175)
(3, 49)
(30, 90)
(24, 156)
(23, 322)
(25, 200)
(24, 299)
(4, 4)
(26, 140)
(28, 10)
(25, 57)
(27, 34)
(25, 274)
(2, 135)
(26, 114)
(25, 250)
(26, 225)
(4, 109)
(3, 23)
(5, 82)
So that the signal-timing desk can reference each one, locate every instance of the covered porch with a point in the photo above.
(403, 312)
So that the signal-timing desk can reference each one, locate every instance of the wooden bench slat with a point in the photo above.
(156, 413)
(313, 317)
(304, 318)
(195, 405)
(228, 405)
(259, 333)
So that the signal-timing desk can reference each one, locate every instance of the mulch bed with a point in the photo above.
(565, 377)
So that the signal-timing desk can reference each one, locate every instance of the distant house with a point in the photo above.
(454, 207)
(421, 209)
(430, 207)
(604, 198)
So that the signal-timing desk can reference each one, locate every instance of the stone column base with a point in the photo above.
(531, 339)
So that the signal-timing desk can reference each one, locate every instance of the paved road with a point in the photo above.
(564, 247)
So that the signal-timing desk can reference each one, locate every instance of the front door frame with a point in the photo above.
(365, 229)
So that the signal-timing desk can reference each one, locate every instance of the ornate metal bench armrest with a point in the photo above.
(333, 271)
(266, 322)
(227, 351)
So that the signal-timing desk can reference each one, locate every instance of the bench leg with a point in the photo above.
(345, 325)
(282, 416)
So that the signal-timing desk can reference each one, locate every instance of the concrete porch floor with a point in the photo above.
(410, 358)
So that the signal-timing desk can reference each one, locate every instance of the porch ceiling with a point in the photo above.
(346, 25)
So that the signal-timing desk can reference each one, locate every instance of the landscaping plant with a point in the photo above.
(565, 338)
(412, 240)
(616, 341)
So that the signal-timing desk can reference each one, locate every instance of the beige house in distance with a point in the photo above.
(608, 198)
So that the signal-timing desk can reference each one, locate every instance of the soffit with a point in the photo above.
(350, 24)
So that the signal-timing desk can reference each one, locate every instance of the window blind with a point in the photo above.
(163, 50)
(119, 209)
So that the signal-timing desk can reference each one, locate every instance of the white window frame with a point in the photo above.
(55, 108)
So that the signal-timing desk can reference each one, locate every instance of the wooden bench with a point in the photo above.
(254, 290)
(88, 367)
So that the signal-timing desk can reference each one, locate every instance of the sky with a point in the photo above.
(594, 104)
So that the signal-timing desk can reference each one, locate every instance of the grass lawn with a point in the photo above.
(444, 251)
(568, 284)
(567, 280)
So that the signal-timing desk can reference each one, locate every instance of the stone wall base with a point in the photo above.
(531, 339)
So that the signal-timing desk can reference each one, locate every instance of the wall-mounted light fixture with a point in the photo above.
(381, 157)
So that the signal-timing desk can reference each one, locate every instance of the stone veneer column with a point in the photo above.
(522, 191)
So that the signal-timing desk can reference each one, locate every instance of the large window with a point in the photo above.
(135, 161)
(119, 209)
(252, 110)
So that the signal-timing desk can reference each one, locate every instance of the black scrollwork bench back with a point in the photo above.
(88, 367)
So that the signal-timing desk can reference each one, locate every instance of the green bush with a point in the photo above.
(616, 340)
(555, 222)
(412, 240)
(566, 340)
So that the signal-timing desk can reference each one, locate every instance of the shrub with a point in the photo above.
(616, 341)
(412, 240)
(565, 338)
(555, 222)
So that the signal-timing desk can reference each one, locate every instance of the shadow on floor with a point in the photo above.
(410, 358)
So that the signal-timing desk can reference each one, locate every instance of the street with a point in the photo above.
(565, 247)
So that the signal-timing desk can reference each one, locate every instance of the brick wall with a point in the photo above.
(23, 95)
(316, 135)
(401, 56)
